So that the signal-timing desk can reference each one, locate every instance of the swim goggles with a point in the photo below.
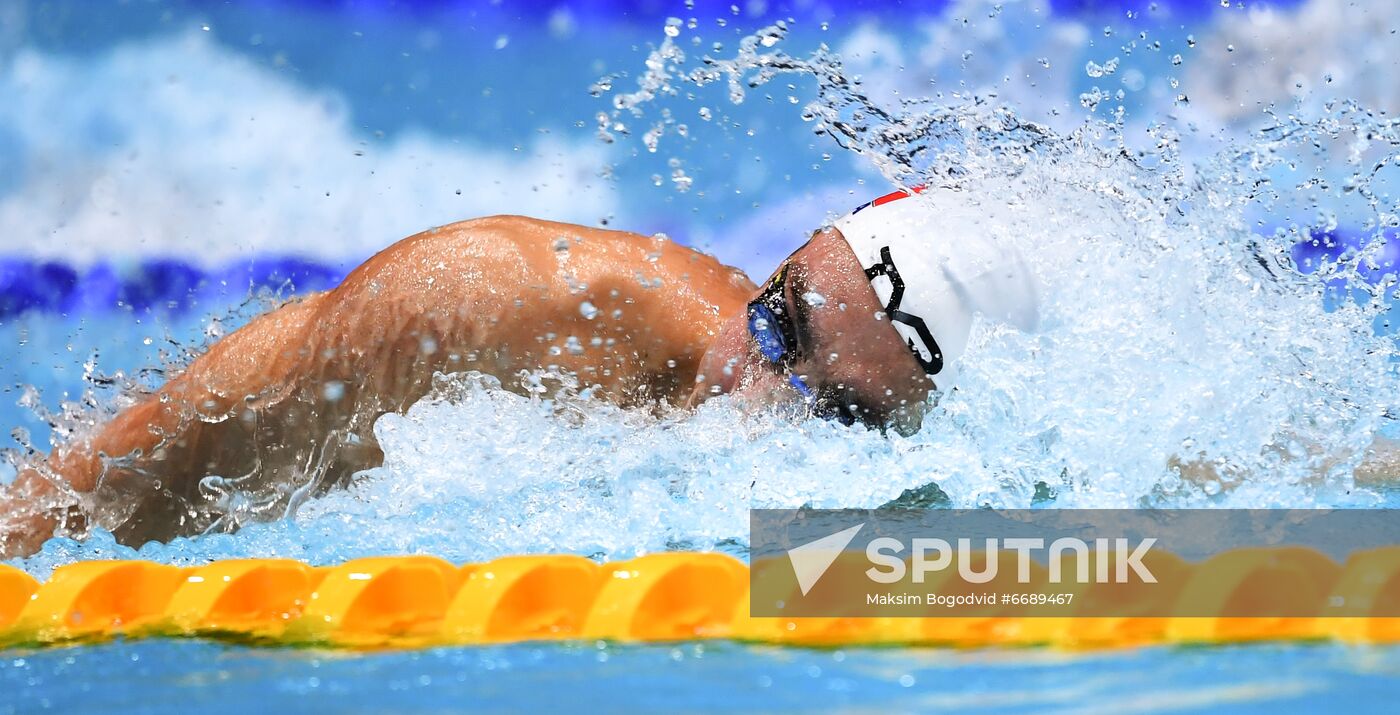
(775, 335)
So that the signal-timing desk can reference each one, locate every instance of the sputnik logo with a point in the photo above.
(812, 559)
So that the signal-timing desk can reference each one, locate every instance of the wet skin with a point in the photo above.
(291, 398)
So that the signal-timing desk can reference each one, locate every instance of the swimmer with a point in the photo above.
(862, 323)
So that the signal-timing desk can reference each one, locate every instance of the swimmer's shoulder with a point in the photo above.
(520, 237)
(489, 243)
(517, 255)
(541, 243)
(528, 234)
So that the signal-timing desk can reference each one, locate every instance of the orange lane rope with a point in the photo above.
(416, 601)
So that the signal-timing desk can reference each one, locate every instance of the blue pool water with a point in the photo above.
(1212, 212)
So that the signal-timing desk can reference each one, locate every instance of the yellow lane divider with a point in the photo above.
(416, 601)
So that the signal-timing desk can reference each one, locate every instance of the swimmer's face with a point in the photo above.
(846, 352)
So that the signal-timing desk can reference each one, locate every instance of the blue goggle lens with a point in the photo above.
(768, 331)
(763, 327)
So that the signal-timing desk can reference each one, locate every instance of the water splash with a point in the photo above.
(1186, 356)
(474, 471)
(165, 350)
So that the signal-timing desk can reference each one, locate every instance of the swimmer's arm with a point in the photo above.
(369, 326)
(364, 320)
(254, 365)
(257, 363)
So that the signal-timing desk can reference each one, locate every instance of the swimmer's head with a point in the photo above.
(869, 317)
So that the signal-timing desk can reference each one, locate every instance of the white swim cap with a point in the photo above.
(934, 263)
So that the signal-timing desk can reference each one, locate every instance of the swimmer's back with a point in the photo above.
(505, 293)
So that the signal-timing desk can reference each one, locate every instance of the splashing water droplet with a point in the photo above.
(1094, 69)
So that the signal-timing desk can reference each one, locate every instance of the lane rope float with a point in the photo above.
(420, 601)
